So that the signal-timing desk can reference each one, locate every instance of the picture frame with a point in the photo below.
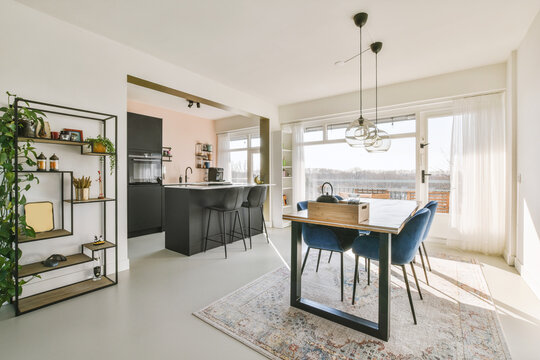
(79, 134)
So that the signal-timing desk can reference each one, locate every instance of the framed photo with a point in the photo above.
(75, 135)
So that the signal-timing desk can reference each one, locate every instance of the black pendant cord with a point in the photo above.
(376, 95)
(360, 71)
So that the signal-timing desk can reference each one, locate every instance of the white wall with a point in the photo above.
(471, 81)
(49, 60)
(528, 150)
(233, 123)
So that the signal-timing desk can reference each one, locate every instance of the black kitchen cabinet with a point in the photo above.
(144, 133)
(144, 210)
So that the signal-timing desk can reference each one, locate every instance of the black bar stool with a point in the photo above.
(256, 199)
(231, 203)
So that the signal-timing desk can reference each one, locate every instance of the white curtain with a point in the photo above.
(298, 172)
(224, 156)
(477, 175)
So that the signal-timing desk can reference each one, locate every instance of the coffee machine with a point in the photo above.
(215, 174)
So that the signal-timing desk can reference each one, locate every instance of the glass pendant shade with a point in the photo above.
(358, 133)
(381, 144)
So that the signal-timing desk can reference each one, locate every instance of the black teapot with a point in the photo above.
(327, 198)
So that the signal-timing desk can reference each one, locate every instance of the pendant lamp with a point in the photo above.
(382, 139)
(362, 132)
(357, 133)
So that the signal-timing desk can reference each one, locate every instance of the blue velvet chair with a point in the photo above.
(326, 238)
(432, 206)
(404, 248)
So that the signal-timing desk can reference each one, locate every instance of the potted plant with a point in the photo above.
(26, 155)
(101, 144)
(82, 188)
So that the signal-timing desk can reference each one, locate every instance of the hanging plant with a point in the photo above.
(104, 145)
(26, 155)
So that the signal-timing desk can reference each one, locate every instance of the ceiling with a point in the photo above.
(284, 51)
(175, 103)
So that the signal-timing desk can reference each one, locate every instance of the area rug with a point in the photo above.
(456, 320)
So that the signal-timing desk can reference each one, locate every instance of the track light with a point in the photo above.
(198, 105)
(190, 103)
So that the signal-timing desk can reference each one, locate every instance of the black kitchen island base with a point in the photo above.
(187, 216)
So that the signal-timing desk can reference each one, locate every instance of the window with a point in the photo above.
(440, 140)
(336, 131)
(255, 141)
(244, 157)
(239, 143)
(353, 172)
(313, 134)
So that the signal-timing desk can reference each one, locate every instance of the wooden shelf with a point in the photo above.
(46, 172)
(97, 154)
(91, 200)
(91, 246)
(53, 141)
(45, 235)
(50, 297)
(38, 267)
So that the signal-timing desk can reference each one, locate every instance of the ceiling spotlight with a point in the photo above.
(198, 105)
(190, 103)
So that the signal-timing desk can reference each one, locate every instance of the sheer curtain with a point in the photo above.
(477, 174)
(298, 172)
(224, 156)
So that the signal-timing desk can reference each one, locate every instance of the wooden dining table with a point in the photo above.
(387, 218)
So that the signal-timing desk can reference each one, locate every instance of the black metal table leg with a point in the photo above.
(385, 242)
(379, 330)
(296, 260)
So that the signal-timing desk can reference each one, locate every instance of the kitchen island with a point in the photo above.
(187, 217)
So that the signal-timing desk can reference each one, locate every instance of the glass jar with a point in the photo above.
(53, 163)
(41, 162)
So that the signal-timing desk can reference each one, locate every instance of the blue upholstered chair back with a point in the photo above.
(432, 206)
(325, 237)
(406, 243)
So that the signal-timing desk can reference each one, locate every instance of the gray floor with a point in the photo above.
(148, 315)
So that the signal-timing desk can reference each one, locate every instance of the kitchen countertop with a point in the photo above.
(209, 186)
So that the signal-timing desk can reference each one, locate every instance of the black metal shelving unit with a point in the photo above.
(46, 298)
(166, 158)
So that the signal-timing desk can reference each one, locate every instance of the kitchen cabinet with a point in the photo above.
(144, 210)
(144, 133)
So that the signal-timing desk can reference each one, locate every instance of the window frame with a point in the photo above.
(250, 150)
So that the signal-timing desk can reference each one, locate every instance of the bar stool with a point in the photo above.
(256, 199)
(230, 203)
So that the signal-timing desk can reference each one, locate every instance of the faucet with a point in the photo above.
(185, 174)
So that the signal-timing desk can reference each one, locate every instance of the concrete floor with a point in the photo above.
(148, 315)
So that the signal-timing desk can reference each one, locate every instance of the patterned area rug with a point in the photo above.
(456, 319)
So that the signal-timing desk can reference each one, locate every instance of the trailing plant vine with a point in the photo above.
(26, 155)
(109, 148)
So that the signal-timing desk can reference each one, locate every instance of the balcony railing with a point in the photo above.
(442, 197)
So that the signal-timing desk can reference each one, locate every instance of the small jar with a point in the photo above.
(53, 163)
(41, 162)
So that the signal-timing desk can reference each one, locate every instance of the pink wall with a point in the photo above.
(181, 132)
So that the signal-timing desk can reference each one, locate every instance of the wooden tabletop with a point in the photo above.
(387, 216)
